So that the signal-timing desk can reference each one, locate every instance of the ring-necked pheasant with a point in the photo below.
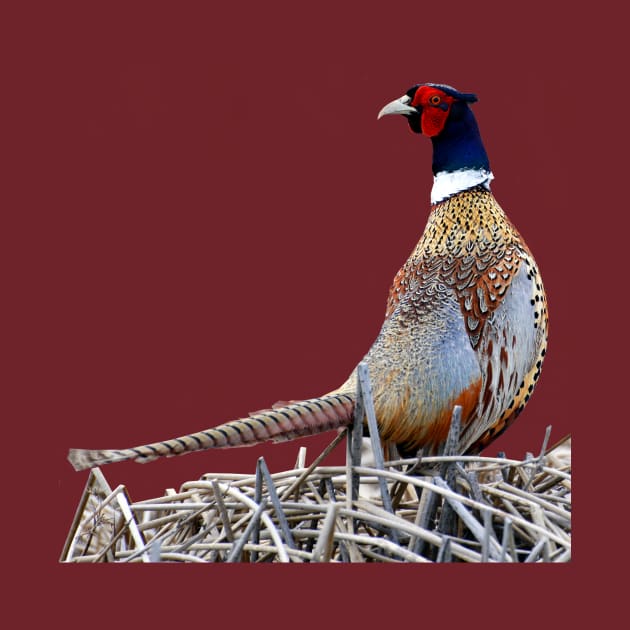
(466, 318)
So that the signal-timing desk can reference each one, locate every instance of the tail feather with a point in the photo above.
(278, 424)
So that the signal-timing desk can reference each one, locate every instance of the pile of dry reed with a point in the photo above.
(463, 509)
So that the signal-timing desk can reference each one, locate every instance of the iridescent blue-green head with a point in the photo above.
(443, 114)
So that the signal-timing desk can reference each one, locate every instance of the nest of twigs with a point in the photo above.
(427, 509)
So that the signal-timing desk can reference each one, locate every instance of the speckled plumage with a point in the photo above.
(465, 323)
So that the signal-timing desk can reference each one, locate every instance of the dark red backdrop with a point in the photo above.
(207, 216)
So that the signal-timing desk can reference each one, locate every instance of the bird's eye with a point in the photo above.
(435, 100)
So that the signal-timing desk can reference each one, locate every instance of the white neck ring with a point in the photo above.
(446, 184)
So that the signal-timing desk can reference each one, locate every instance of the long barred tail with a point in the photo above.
(285, 423)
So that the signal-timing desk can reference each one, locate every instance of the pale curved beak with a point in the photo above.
(399, 106)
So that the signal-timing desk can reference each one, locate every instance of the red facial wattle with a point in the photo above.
(435, 106)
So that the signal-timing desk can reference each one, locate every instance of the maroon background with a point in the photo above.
(204, 216)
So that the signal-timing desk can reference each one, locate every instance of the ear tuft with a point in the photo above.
(467, 97)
